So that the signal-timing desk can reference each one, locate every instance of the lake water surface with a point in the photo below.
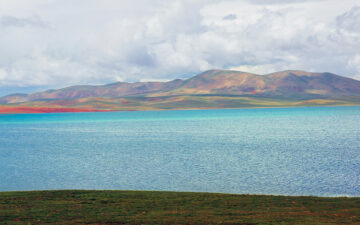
(288, 151)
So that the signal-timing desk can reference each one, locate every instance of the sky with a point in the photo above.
(47, 44)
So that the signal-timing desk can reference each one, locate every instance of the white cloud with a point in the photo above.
(354, 64)
(3, 74)
(10, 21)
(350, 21)
(55, 43)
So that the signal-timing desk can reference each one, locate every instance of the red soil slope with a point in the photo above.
(21, 109)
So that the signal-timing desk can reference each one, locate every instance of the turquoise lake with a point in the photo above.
(287, 151)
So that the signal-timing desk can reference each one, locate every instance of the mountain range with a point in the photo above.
(210, 89)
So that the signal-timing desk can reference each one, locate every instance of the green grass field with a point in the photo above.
(141, 207)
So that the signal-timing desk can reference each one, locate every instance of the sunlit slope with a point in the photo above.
(293, 84)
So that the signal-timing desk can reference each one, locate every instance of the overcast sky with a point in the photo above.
(56, 43)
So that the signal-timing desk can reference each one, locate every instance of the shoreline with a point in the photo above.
(49, 110)
(182, 192)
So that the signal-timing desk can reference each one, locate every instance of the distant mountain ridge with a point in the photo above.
(210, 89)
(291, 83)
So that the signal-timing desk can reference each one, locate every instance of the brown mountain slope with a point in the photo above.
(114, 90)
(283, 85)
(300, 82)
(219, 82)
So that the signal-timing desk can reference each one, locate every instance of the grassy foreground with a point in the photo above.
(142, 207)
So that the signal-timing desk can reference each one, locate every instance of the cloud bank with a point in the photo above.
(53, 43)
